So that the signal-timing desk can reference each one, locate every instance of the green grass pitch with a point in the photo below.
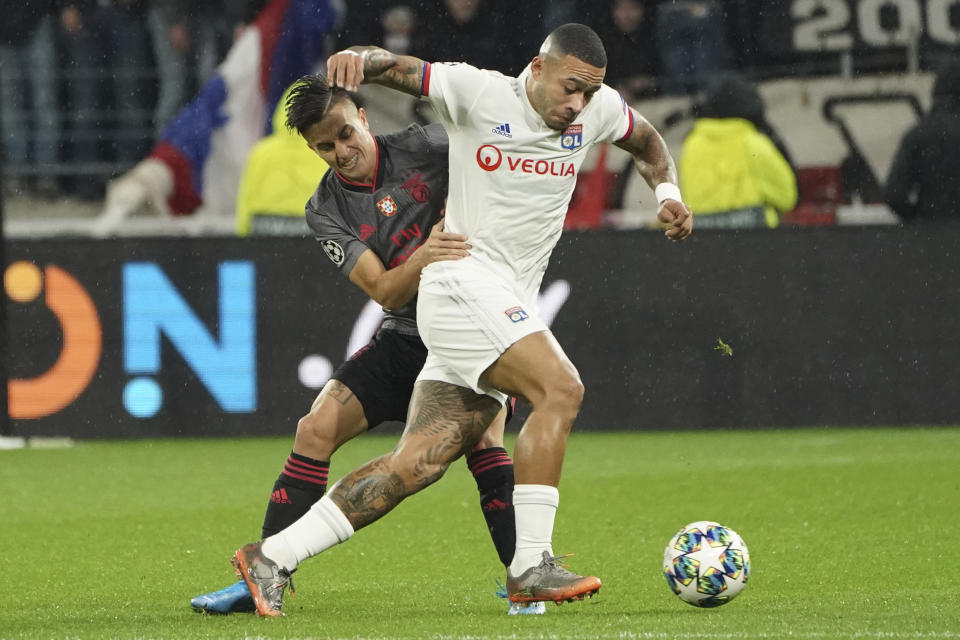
(853, 533)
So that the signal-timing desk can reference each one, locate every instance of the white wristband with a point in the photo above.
(667, 191)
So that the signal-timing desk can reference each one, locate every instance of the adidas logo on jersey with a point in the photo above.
(503, 130)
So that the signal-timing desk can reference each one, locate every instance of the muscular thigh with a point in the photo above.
(529, 366)
(467, 322)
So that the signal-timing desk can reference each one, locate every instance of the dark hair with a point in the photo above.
(732, 95)
(310, 99)
(581, 42)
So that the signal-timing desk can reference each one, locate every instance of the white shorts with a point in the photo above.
(468, 318)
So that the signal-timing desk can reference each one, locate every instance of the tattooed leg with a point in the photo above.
(443, 423)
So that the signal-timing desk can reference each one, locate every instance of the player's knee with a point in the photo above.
(565, 394)
(427, 474)
(488, 440)
(416, 472)
(317, 435)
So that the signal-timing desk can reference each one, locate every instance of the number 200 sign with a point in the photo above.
(831, 25)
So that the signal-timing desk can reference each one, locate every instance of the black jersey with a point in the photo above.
(391, 217)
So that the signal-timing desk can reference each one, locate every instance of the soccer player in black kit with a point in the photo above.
(377, 214)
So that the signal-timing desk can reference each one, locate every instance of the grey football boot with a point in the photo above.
(265, 579)
(550, 581)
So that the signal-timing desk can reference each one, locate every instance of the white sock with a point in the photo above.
(320, 528)
(534, 506)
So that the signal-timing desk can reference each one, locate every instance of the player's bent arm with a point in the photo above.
(356, 65)
(651, 157)
(393, 288)
(390, 288)
(653, 161)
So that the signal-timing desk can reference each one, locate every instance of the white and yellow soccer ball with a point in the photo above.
(706, 564)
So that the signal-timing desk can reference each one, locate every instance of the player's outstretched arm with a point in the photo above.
(654, 162)
(352, 67)
(393, 288)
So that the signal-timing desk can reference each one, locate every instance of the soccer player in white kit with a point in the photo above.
(516, 145)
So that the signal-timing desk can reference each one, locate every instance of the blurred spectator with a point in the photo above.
(525, 31)
(450, 30)
(184, 50)
(731, 173)
(626, 30)
(363, 23)
(280, 176)
(560, 12)
(923, 181)
(170, 33)
(463, 31)
(398, 29)
(691, 37)
(28, 93)
(239, 14)
(189, 42)
(108, 56)
(733, 95)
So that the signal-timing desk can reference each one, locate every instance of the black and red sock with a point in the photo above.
(302, 482)
(493, 470)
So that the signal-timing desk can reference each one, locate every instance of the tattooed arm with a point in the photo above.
(654, 163)
(356, 65)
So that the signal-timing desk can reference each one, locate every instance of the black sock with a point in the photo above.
(493, 470)
(302, 482)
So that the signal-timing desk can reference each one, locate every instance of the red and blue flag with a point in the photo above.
(206, 144)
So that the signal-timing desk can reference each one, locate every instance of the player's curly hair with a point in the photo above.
(310, 99)
(579, 41)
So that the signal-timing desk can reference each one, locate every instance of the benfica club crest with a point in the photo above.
(572, 137)
(387, 206)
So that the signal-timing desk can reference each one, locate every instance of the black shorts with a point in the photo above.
(382, 374)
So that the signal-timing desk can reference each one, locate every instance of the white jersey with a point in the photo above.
(511, 176)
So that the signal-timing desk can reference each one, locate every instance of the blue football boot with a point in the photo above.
(521, 608)
(233, 599)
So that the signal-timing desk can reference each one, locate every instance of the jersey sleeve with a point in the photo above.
(453, 88)
(341, 246)
(436, 136)
(614, 114)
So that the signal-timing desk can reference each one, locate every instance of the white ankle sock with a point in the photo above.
(320, 528)
(535, 506)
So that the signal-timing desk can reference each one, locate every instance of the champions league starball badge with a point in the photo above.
(334, 251)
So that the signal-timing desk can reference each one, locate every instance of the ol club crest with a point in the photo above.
(572, 137)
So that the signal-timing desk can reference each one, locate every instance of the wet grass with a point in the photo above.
(850, 533)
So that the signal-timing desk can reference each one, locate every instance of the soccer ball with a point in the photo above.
(706, 564)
